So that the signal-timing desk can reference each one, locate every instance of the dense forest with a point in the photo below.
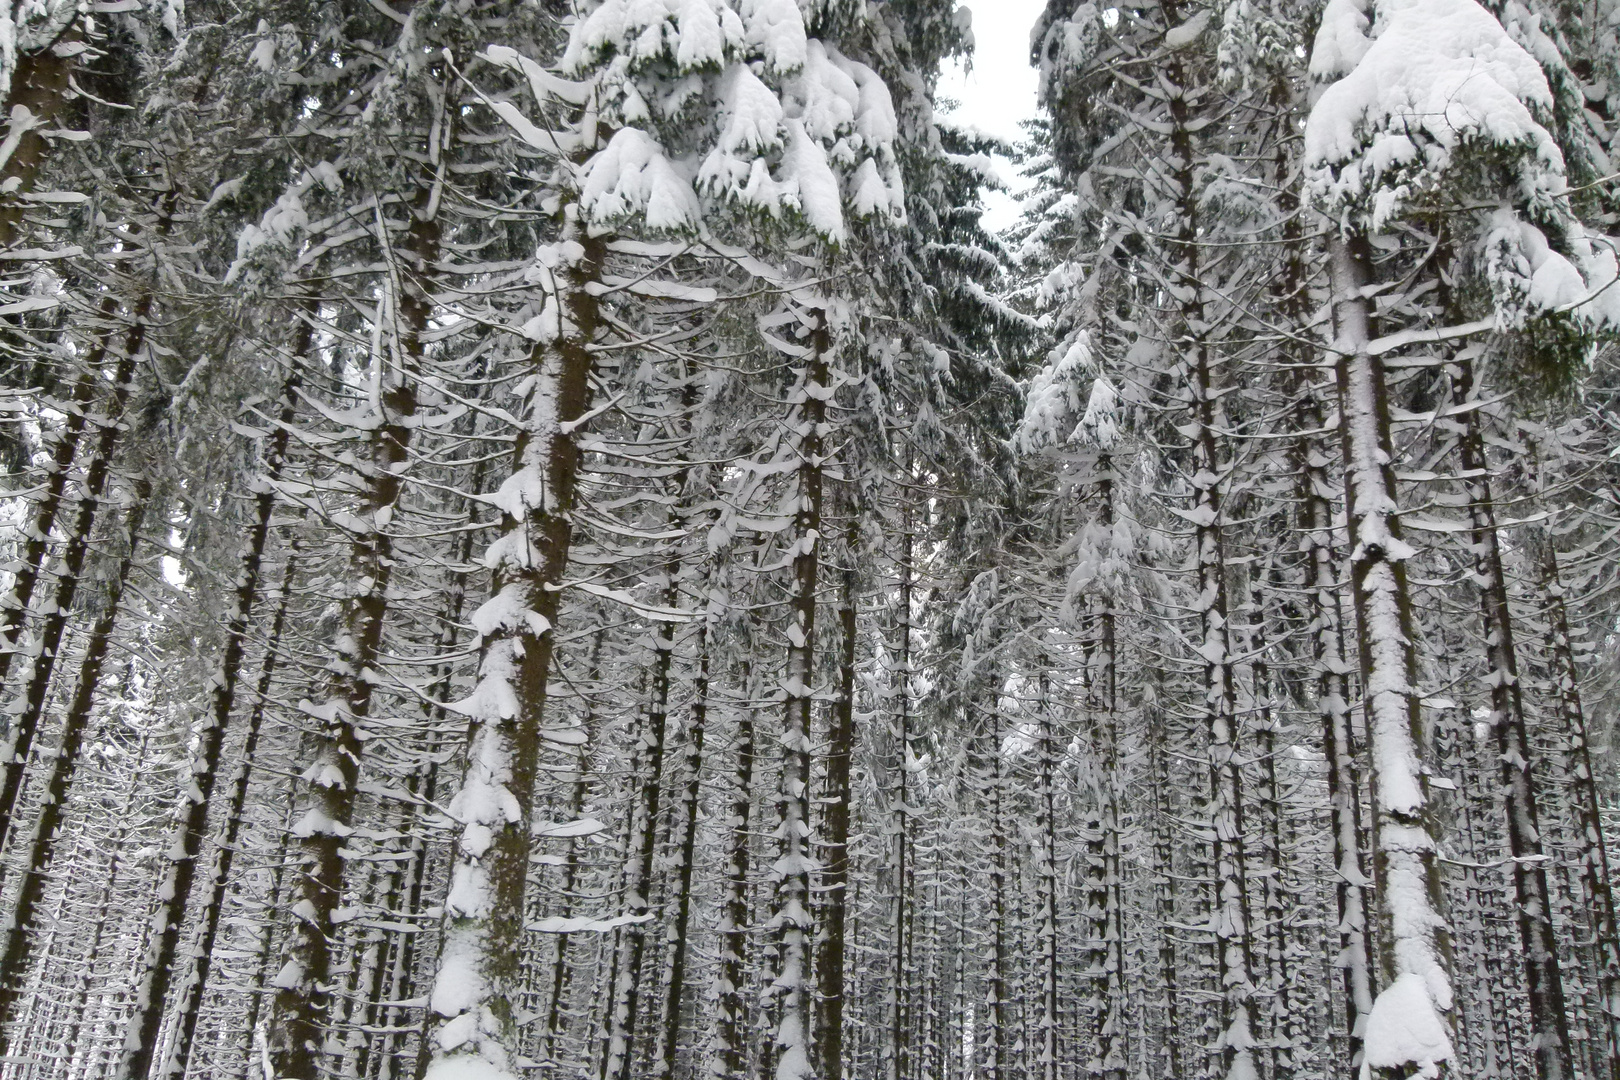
(545, 538)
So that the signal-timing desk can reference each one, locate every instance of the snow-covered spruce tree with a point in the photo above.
(124, 364)
(1261, 54)
(1532, 897)
(251, 564)
(118, 367)
(1594, 858)
(935, 346)
(120, 331)
(425, 106)
(845, 158)
(1398, 161)
(663, 442)
(240, 72)
(154, 978)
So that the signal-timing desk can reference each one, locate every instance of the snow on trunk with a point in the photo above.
(1408, 1031)
(474, 1029)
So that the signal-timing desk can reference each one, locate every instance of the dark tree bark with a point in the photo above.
(669, 1034)
(830, 982)
(40, 92)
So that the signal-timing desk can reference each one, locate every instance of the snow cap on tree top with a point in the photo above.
(1424, 90)
(1435, 76)
(1053, 403)
(688, 34)
(718, 104)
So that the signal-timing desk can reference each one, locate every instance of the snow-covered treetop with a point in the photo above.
(1257, 41)
(728, 106)
(1062, 45)
(1432, 77)
(1432, 95)
(1068, 401)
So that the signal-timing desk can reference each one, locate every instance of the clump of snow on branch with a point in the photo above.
(632, 176)
(1056, 396)
(1422, 88)
(1526, 276)
(1436, 76)
(1099, 427)
(717, 106)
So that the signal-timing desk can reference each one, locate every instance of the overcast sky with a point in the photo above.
(1000, 90)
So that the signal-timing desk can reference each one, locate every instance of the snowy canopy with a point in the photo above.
(716, 107)
(1423, 90)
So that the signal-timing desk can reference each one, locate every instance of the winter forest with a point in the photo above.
(547, 540)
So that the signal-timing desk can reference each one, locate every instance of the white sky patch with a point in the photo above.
(1000, 90)
(173, 572)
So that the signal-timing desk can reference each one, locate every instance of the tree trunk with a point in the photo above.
(1107, 898)
(1594, 864)
(1275, 893)
(835, 874)
(992, 1044)
(1046, 888)
(562, 968)
(258, 1003)
(1230, 916)
(1338, 742)
(222, 700)
(638, 869)
(302, 1006)
(1413, 942)
(794, 986)
(897, 1048)
(731, 1012)
(40, 91)
(480, 957)
(1164, 890)
(675, 956)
